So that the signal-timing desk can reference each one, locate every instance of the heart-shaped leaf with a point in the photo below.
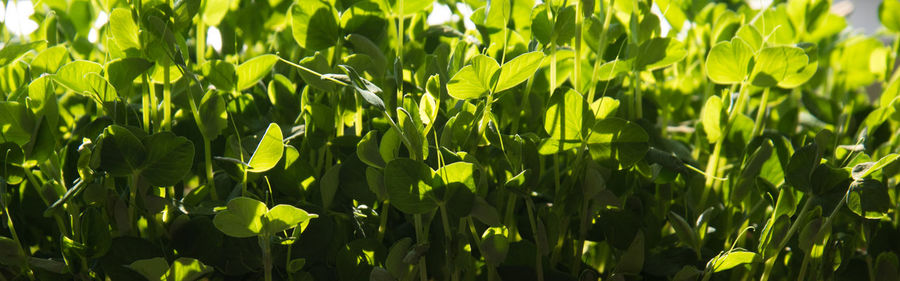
(242, 218)
(269, 150)
(409, 186)
(729, 62)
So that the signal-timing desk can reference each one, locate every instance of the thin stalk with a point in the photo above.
(803, 268)
(770, 262)
(12, 229)
(447, 239)
(145, 102)
(201, 39)
(539, 265)
(313, 72)
(267, 256)
(167, 99)
(358, 116)
(382, 219)
(760, 123)
(154, 105)
(525, 104)
(582, 234)
(601, 52)
(400, 51)
(132, 210)
(420, 238)
(579, 21)
(210, 175)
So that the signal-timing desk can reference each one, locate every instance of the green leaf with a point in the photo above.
(100, 89)
(213, 11)
(242, 218)
(122, 72)
(567, 117)
(152, 269)
(410, 7)
(328, 185)
(887, 267)
(269, 150)
(612, 69)
(283, 217)
(684, 230)
(863, 170)
(169, 159)
(43, 101)
(618, 142)
(729, 260)
(801, 166)
(476, 80)
(49, 60)
(795, 79)
(775, 65)
(409, 186)
(541, 26)
(10, 252)
(251, 71)
(869, 199)
(518, 70)
(367, 151)
(314, 25)
(466, 84)
(124, 31)
(889, 14)
(711, 116)
(317, 62)
(12, 51)
(658, 53)
(73, 74)
(213, 115)
(369, 92)
(221, 74)
(729, 62)
(458, 172)
(15, 124)
(495, 245)
(122, 152)
(632, 261)
(187, 269)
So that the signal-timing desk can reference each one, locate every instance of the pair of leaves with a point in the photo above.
(415, 188)
(735, 61)
(314, 24)
(182, 269)
(653, 54)
(485, 75)
(162, 159)
(246, 217)
(226, 77)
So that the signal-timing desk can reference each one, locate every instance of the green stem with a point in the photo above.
(145, 101)
(267, 256)
(448, 238)
(770, 262)
(420, 238)
(210, 175)
(400, 52)
(760, 122)
(132, 210)
(12, 228)
(201, 39)
(167, 99)
(539, 265)
(383, 218)
(582, 234)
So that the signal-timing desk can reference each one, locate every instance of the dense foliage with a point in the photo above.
(352, 140)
